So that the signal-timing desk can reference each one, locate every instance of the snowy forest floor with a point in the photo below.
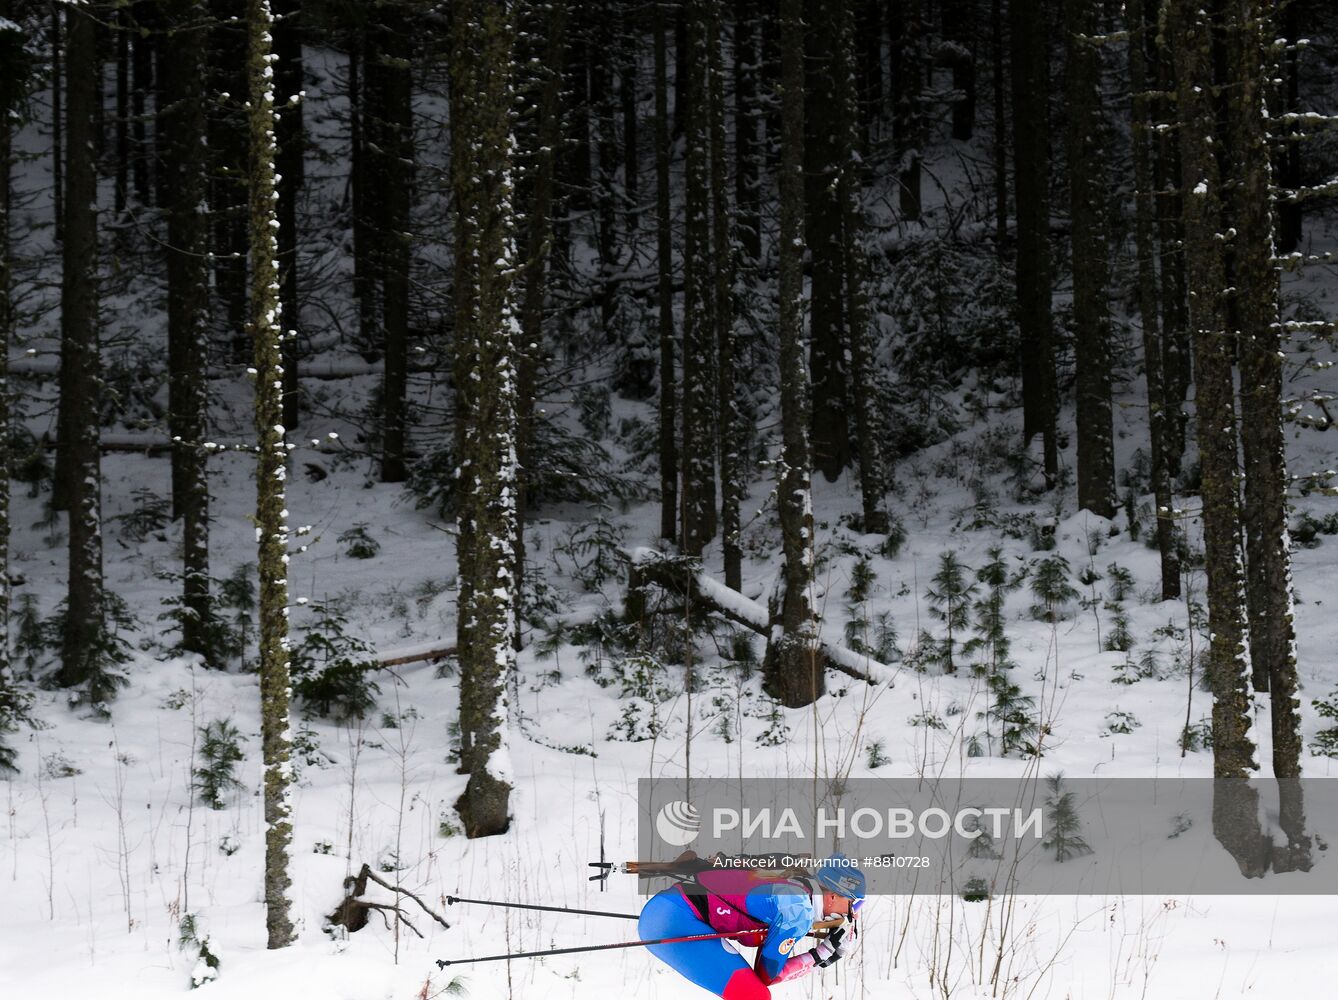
(103, 852)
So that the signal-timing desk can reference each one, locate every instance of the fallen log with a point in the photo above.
(679, 576)
(353, 911)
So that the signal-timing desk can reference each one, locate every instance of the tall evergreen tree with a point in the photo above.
(730, 426)
(699, 330)
(794, 663)
(266, 332)
(1268, 591)
(1142, 42)
(830, 373)
(83, 654)
(183, 126)
(1235, 805)
(1088, 151)
(664, 264)
(487, 335)
(1031, 181)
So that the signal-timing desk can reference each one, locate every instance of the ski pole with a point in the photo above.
(452, 900)
(443, 962)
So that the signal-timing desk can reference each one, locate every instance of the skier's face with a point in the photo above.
(835, 904)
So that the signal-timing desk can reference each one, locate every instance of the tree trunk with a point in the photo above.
(124, 24)
(957, 34)
(730, 424)
(1031, 173)
(664, 264)
(182, 125)
(538, 249)
(1235, 807)
(793, 665)
(629, 56)
(81, 657)
(907, 94)
(1000, 145)
(830, 427)
(266, 334)
(747, 147)
(1289, 156)
(1087, 153)
(487, 335)
(1142, 29)
(11, 41)
(872, 475)
(292, 146)
(56, 39)
(699, 331)
(1170, 233)
(392, 168)
(1268, 591)
(228, 142)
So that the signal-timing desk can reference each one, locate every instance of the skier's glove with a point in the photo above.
(834, 947)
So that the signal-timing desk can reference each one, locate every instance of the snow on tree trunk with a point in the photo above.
(731, 429)
(1269, 585)
(1235, 804)
(793, 665)
(699, 332)
(487, 337)
(80, 377)
(266, 332)
(11, 40)
(872, 475)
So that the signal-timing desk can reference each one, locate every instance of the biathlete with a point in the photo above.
(782, 912)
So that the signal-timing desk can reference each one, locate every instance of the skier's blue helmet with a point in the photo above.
(840, 875)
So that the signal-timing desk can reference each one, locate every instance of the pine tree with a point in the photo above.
(1088, 151)
(266, 332)
(487, 334)
(950, 602)
(794, 664)
(182, 124)
(1235, 815)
